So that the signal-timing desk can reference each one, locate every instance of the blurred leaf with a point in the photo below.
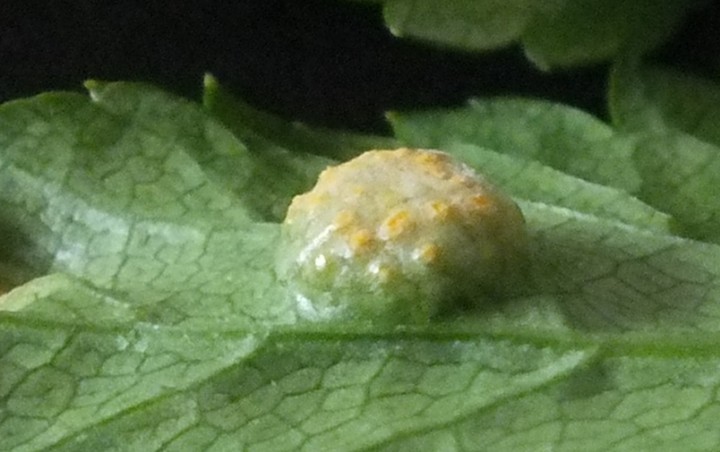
(466, 24)
(674, 118)
(586, 31)
(644, 98)
(681, 175)
(554, 34)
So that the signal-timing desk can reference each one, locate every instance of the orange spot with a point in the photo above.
(434, 163)
(440, 210)
(480, 202)
(361, 241)
(344, 219)
(397, 223)
(430, 158)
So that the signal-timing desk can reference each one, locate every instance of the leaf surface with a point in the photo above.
(123, 203)
(152, 318)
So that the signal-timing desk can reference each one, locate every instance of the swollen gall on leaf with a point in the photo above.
(399, 236)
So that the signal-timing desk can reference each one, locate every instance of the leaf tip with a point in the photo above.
(94, 88)
(91, 84)
(209, 81)
(392, 116)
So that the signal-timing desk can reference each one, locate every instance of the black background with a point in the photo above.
(326, 62)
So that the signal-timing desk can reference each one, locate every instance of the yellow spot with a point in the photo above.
(440, 210)
(434, 163)
(431, 159)
(397, 223)
(428, 253)
(438, 170)
(344, 219)
(358, 190)
(361, 241)
(481, 202)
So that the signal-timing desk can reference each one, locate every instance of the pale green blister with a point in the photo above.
(398, 237)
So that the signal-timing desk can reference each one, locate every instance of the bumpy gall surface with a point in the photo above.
(397, 236)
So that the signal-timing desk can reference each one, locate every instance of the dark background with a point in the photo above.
(326, 62)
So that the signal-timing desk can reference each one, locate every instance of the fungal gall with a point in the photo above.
(397, 236)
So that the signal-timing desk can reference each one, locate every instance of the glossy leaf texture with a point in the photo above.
(146, 314)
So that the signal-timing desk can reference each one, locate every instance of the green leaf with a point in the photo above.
(660, 402)
(533, 181)
(608, 276)
(253, 125)
(159, 324)
(75, 358)
(660, 99)
(672, 172)
(554, 34)
(313, 389)
(674, 118)
(467, 24)
(262, 174)
(681, 175)
(561, 137)
(310, 394)
(579, 32)
(119, 200)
